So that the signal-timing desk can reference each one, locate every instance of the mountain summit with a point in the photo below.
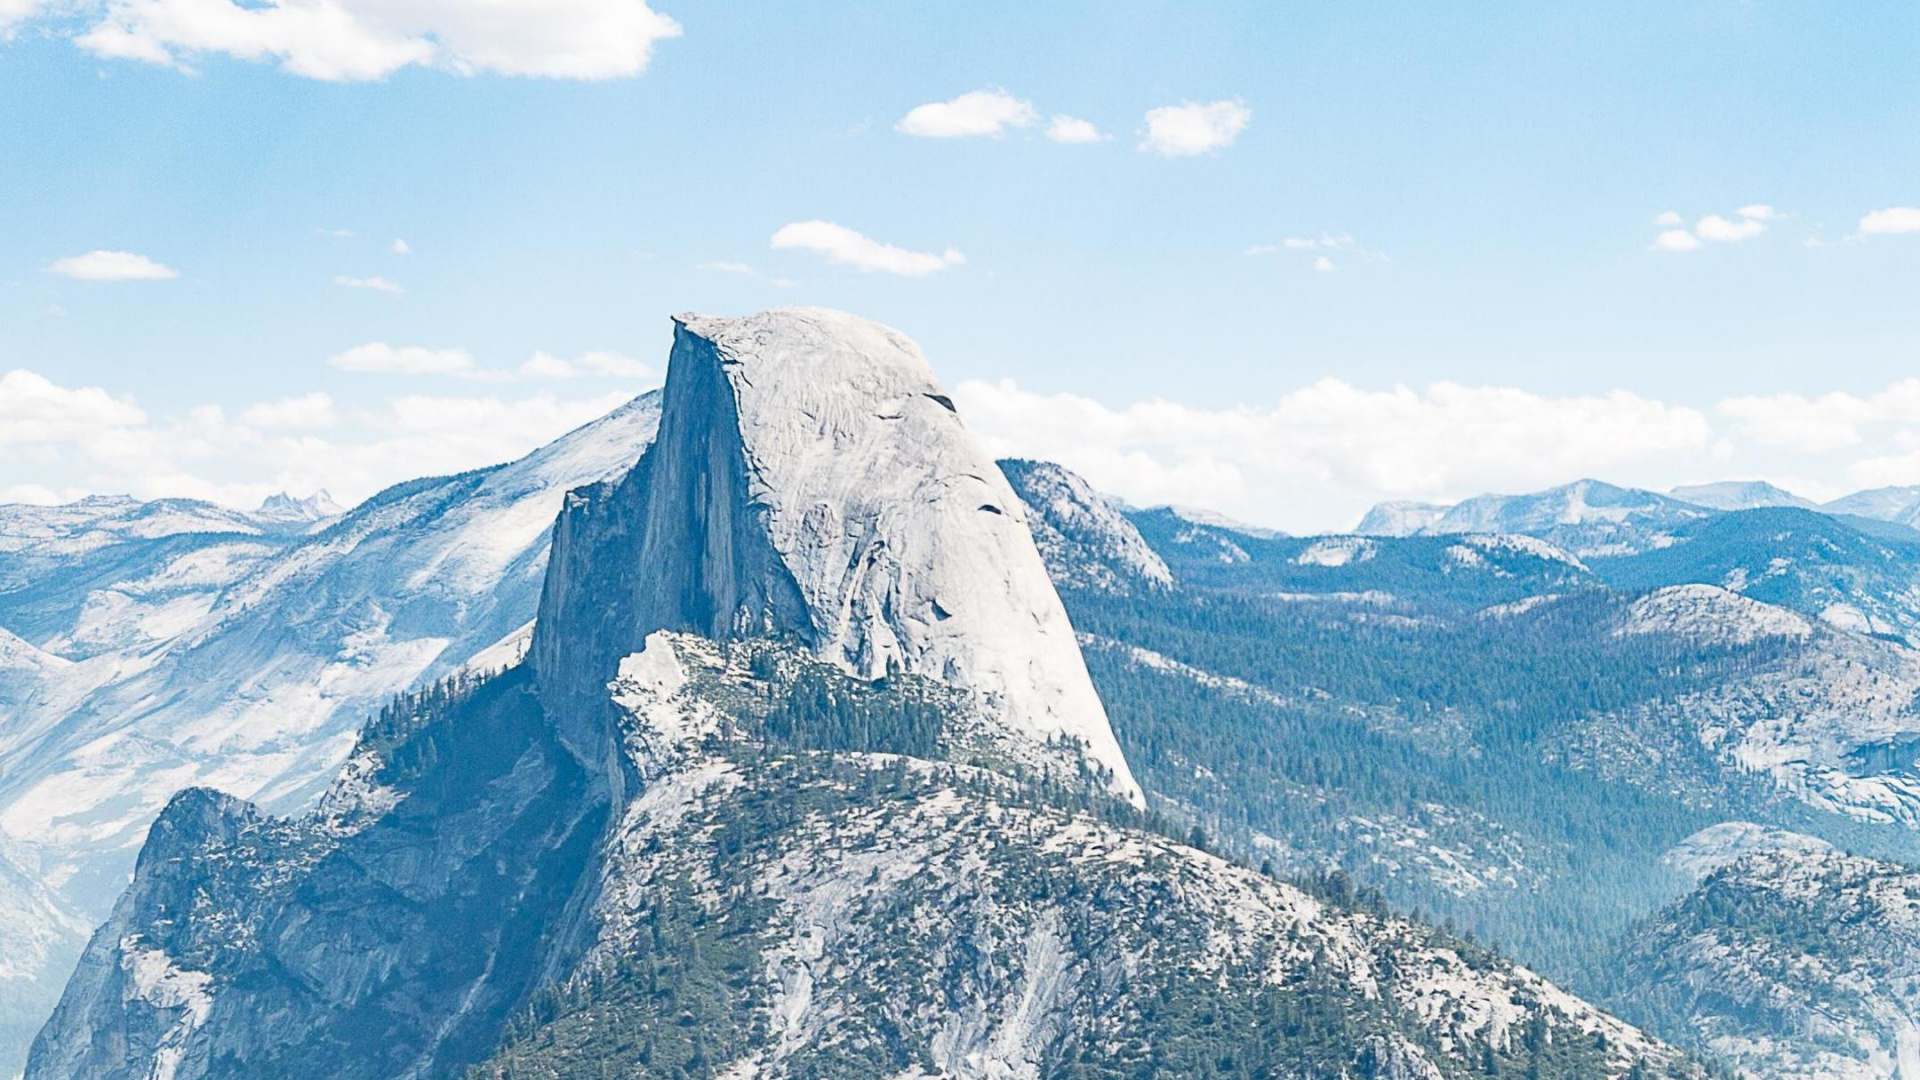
(813, 481)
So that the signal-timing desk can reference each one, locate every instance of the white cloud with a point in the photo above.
(1323, 264)
(381, 358)
(1728, 231)
(33, 409)
(377, 284)
(1191, 129)
(352, 40)
(306, 412)
(618, 366)
(979, 114)
(843, 245)
(400, 247)
(1828, 422)
(1326, 451)
(1073, 130)
(1675, 240)
(1891, 220)
(111, 266)
(543, 365)
(13, 12)
(1745, 224)
(36, 494)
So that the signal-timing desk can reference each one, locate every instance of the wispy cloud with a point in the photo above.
(1191, 129)
(746, 270)
(545, 365)
(380, 358)
(839, 244)
(1322, 246)
(111, 266)
(377, 284)
(308, 412)
(1890, 221)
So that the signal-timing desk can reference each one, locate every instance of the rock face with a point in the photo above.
(794, 833)
(1085, 540)
(813, 480)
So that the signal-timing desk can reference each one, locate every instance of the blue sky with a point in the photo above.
(1492, 313)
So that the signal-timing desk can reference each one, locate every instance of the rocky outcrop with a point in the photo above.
(1792, 962)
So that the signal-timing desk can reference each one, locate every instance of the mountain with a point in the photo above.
(1811, 562)
(803, 776)
(1587, 517)
(1739, 495)
(285, 508)
(1791, 961)
(1493, 731)
(147, 648)
(1081, 533)
(1214, 519)
(1883, 504)
(1400, 518)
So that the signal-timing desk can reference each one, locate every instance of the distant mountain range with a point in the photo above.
(1590, 517)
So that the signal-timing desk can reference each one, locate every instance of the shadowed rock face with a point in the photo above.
(338, 947)
(674, 545)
